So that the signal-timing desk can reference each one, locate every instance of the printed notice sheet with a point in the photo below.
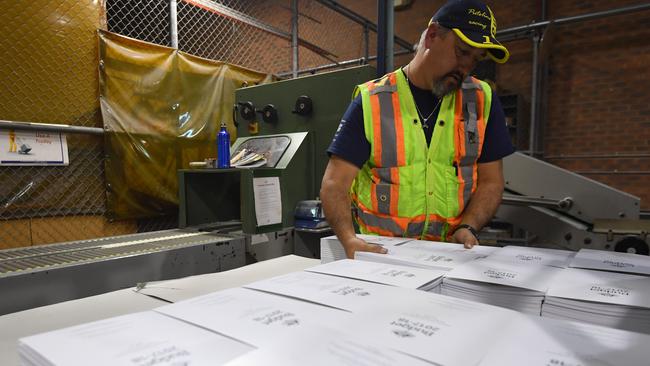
(33, 148)
(268, 200)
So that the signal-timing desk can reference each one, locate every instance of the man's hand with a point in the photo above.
(357, 245)
(465, 237)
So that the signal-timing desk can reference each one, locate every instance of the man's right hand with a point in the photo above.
(358, 245)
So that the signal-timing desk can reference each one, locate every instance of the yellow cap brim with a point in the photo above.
(486, 45)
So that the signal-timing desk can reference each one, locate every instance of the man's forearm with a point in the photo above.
(336, 204)
(483, 205)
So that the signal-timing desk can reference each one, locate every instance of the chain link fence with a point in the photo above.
(49, 58)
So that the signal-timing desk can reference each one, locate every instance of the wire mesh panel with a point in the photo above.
(146, 20)
(253, 34)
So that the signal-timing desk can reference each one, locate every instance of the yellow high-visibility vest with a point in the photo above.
(407, 188)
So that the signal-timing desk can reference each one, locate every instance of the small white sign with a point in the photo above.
(33, 148)
(268, 201)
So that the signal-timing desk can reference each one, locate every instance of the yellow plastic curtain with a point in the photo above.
(162, 109)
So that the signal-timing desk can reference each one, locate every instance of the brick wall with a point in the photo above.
(598, 106)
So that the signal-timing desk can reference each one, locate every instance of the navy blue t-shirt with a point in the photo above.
(350, 141)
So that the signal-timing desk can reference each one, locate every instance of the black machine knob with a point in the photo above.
(304, 106)
(269, 113)
(247, 111)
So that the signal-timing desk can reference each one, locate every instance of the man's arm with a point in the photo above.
(484, 203)
(336, 184)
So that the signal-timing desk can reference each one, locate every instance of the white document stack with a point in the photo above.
(483, 250)
(514, 286)
(534, 256)
(324, 347)
(251, 316)
(612, 261)
(544, 341)
(332, 250)
(436, 328)
(612, 299)
(337, 292)
(436, 257)
(387, 274)
(146, 338)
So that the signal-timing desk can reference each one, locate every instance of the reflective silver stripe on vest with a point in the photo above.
(384, 89)
(470, 114)
(388, 134)
(388, 145)
(384, 223)
(415, 229)
(435, 228)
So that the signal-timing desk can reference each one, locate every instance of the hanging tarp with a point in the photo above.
(161, 109)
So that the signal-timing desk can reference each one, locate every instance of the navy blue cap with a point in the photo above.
(474, 23)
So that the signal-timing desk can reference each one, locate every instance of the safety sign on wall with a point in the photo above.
(33, 148)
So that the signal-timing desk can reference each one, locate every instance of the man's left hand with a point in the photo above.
(465, 237)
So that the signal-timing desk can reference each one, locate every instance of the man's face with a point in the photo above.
(463, 59)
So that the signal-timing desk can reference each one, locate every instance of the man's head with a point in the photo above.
(460, 34)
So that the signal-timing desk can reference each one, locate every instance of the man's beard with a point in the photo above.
(442, 87)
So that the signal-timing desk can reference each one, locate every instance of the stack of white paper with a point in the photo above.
(324, 347)
(612, 261)
(544, 341)
(453, 247)
(251, 316)
(146, 338)
(535, 256)
(331, 248)
(387, 274)
(612, 299)
(514, 286)
(436, 328)
(427, 258)
(338, 292)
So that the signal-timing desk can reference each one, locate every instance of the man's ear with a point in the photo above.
(431, 34)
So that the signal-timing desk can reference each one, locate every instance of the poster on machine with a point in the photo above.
(33, 148)
(268, 200)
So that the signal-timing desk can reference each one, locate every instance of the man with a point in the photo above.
(417, 144)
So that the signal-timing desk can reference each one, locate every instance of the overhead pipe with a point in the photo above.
(523, 30)
(356, 61)
(294, 37)
(173, 23)
(50, 127)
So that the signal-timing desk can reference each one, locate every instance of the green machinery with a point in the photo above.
(295, 120)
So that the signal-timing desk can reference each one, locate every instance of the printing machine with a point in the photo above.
(559, 208)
